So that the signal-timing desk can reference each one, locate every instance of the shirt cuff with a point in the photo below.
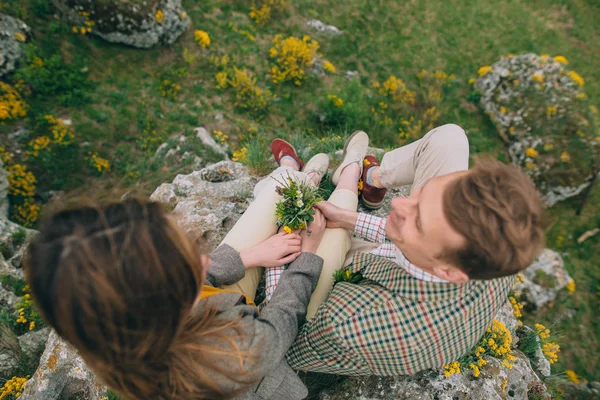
(370, 227)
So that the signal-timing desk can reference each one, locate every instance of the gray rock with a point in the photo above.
(32, 343)
(7, 298)
(207, 203)
(208, 140)
(10, 45)
(321, 27)
(117, 22)
(351, 75)
(8, 363)
(3, 191)
(544, 278)
(520, 123)
(430, 385)
(62, 374)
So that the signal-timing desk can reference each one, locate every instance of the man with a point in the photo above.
(438, 268)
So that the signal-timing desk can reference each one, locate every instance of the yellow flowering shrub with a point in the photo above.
(396, 89)
(169, 89)
(12, 106)
(496, 342)
(240, 155)
(329, 67)
(572, 376)
(248, 95)
(27, 213)
(97, 164)
(412, 129)
(85, 26)
(29, 319)
(262, 12)
(22, 182)
(549, 347)
(13, 388)
(150, 138)
(335, 100)
(571, 286)
(202, 38)
(220, 137)
(291, 58)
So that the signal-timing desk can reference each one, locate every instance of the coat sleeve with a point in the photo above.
(279, 322)
(226, 266)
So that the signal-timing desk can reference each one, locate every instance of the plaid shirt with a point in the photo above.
(392, 323)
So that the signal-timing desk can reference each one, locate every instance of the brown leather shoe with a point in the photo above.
(281, 148)
(371, 196)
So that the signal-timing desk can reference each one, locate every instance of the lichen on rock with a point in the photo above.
(13, 32)
(138, 24)
(540, 110)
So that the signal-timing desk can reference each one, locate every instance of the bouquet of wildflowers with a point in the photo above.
(294, 210)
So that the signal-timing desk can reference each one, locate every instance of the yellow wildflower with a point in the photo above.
(576, 77)
(483, 71)
(516, 82)
(572, 376)
(287, 229)
(551, 111)
(548, 146)
(159, 17)
(565, 157)
(291, 57)
(520, 277)
(360, 185)
(561, 59)
(538, 77)
(13, 387)
(366, 162)
(551, 350)
(221, 79)
(571, 286)
(240, 155)
(531, 152)
(329, 67)
(503, 110)
(202, 38)
(504, 384)
(348, 274)
(472, 81)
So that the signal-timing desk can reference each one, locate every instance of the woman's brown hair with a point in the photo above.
(118, 282)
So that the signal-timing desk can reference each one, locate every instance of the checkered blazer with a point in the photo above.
(391, 323)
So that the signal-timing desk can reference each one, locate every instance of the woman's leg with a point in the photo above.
(257, 224)
(336, 242)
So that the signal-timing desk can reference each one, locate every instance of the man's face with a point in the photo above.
(418, 226)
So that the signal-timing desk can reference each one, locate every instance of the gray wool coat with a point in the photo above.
(269, 334)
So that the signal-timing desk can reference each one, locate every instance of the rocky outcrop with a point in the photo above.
(543, 280)
(139, 24)
(62, 374)
(322, 27)
(539, 109)
(13, 33)
(3, 191)
(208, 202)
(495, 381)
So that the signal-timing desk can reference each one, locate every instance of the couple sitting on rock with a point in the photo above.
(155, 319)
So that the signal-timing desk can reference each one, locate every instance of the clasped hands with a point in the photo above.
(283, 248)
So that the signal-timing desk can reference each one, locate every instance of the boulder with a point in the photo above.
(322, 27)
(207, 203)
(32, 343)
(138, 24)
(62, 374)
(539, 109)
(543, 279)
(13, 32)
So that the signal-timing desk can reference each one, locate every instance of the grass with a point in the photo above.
(381, 38)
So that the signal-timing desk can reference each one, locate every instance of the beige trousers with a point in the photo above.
(441, 151)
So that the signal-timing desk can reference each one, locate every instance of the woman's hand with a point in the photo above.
(279, 249)
(311, 241)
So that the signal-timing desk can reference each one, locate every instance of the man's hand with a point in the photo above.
(337, 217)
(278, 250)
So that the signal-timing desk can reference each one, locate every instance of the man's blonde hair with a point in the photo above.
(499, 212)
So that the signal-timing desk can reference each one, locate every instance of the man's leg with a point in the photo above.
(336, 242)
(257, 224)
(441, 151)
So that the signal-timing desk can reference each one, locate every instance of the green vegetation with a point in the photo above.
(123, 103)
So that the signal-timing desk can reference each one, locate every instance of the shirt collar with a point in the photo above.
(415, 271)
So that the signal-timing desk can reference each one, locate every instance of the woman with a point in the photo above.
(123, 284)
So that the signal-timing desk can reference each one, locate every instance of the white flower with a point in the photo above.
(299, 203)
(300, 194)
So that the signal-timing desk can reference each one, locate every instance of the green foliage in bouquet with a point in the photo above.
(294, 210)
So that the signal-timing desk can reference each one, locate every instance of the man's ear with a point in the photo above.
(450, 273)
